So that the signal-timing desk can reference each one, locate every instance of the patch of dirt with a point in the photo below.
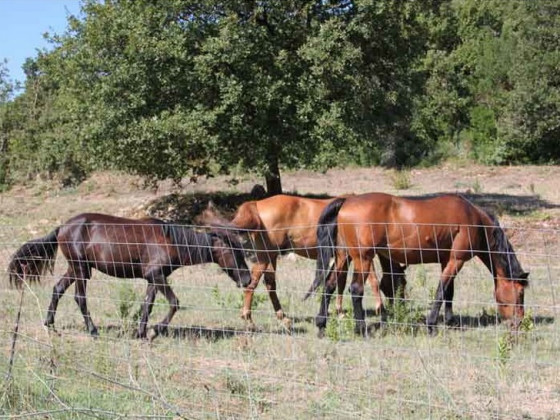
(523, 196)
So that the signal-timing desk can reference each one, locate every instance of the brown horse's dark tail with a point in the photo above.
(326, 243)
(33, 259)
(245, 221)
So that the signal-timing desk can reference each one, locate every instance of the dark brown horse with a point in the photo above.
(285, 223)
(126, 248)
(448, 230)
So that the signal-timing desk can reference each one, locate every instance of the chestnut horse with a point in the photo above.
(126, 248)
(286, 223)
(448, 230)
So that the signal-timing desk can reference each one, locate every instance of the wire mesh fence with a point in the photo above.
(212, 364)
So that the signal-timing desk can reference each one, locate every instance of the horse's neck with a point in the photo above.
(199, 248)
(194, 247)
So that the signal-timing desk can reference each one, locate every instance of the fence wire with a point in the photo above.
(213, 364)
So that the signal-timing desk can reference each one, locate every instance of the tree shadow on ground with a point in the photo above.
(186, 208)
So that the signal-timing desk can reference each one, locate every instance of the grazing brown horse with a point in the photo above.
(448, 230)
(285, 223)
(126, 248)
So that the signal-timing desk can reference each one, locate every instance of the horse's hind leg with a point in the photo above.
(448, 274)
(374, 283)
(323, 315)
(80, 298)
(362, 269)
(340, 273)
(58, 290)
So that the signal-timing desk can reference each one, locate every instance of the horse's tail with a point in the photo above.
(246, 218)
(326, 240)
(33, 259)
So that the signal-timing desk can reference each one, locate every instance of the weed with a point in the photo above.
(127, 300)
(403, 317)
(504, 348)
(401, 180)
(235, 300)
(234, 384)
(421, 276)
(477, 187)
(340, 329)
(527, 324)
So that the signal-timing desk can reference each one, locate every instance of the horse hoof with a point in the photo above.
(250, 326)
(321, 333)
(161, 330)
(152, 335)
(360, 328)
(451, 322)
(432, 330)
(287, 323)
(94, 333)
(140, 335)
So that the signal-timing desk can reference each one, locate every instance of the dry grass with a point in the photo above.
(212, 367)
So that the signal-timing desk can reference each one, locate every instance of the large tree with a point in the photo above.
(176, 88)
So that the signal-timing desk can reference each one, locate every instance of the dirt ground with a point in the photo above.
(529, 192)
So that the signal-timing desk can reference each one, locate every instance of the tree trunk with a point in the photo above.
(273, 181)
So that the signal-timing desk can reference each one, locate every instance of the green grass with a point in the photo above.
(211, 366)
(229, 372)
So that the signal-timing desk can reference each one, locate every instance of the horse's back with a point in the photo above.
(386, 208)
(287, 222)
(441, 210)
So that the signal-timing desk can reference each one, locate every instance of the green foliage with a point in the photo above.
(340, 328)
(179, 88)
(527, 324)
(403, 317)
(142, 87)
(127, 301)
(504, 348)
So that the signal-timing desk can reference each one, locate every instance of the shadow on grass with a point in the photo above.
(185, 208)
(200, 332)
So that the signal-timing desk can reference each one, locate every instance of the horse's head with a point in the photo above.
(510, 295)
(229, 254)
(509, 277)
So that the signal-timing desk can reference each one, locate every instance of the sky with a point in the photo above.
(22, 25)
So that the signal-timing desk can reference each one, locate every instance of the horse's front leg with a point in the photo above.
(448, 274)
(270, 283)
(256, 272)
(147, 305)
(374, 283)
(165, 289)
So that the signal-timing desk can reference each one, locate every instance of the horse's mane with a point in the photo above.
(504, 249)
(500, 243)
(198, 245)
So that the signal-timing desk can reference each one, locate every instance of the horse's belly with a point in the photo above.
(125, 270)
